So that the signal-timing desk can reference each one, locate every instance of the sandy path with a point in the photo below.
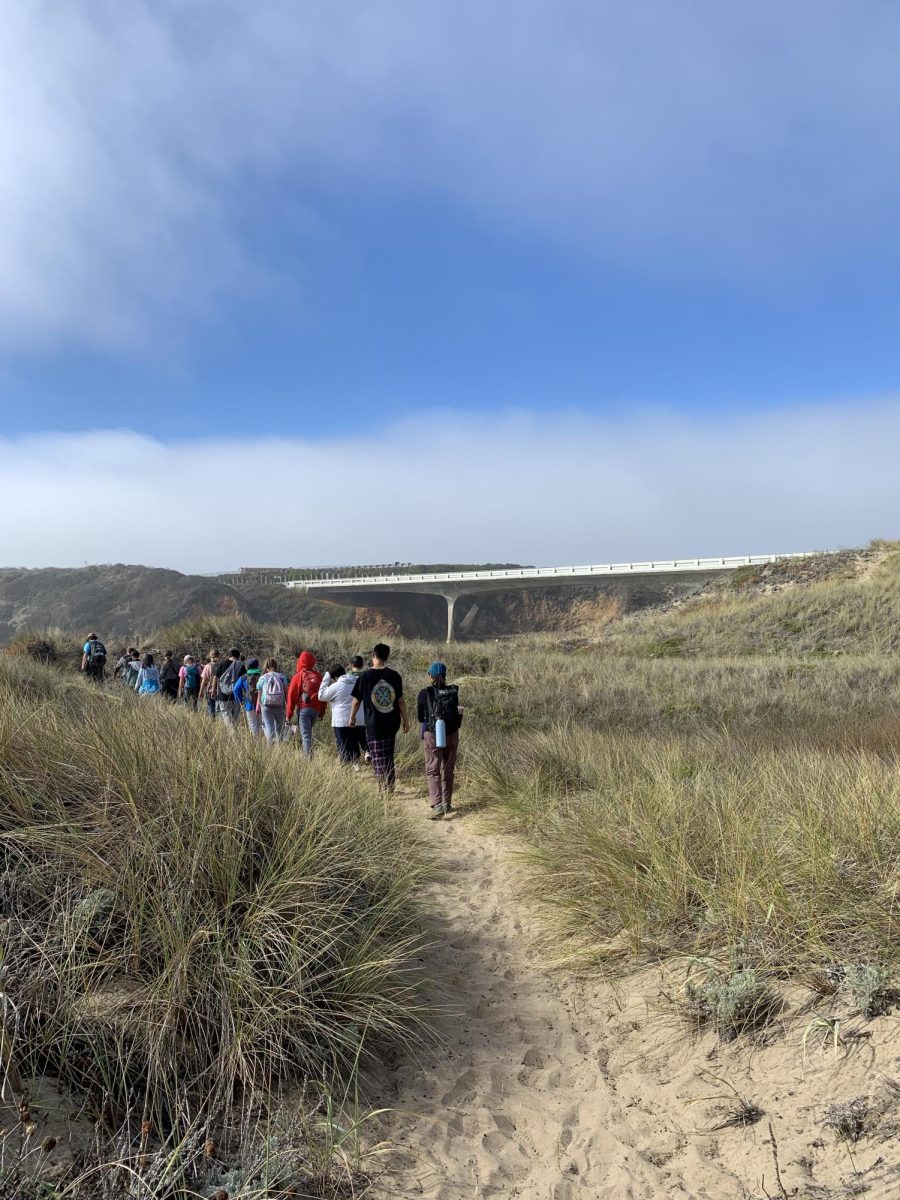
(514, 1102)
(543, 1088)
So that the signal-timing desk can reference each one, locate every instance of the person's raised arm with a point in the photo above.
(328, 690)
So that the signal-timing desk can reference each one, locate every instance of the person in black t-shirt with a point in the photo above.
(380, 689)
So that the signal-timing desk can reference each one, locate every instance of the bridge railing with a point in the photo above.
(656, 566)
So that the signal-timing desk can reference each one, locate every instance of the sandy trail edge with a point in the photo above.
(544, 1088)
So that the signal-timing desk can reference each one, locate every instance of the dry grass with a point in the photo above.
(839, 616)
(191, 926)
(708, 805)
(735, 794)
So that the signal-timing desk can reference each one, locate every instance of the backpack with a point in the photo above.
(443, 705)
(251, 689)
(273, 693)
(150, 683)
(169, 673)
(192, 678)
(227, 680)
(96, 653)
(310, 682)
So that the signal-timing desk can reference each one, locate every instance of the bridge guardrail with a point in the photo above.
(654, 566)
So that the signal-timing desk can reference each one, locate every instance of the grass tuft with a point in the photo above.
(191, 922)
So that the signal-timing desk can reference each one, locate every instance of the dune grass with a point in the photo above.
(690, 846)
(741, 808)
(189, 926)
(835, 616)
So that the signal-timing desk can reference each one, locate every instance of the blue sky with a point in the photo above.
(325, 224)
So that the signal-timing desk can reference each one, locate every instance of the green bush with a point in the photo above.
(734, 1002)
(870, 987)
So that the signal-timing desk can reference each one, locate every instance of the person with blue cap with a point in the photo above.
(441, 717)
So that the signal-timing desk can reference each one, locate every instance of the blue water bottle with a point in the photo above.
(440, 733)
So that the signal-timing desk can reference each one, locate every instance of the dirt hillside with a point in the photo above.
(122, 600)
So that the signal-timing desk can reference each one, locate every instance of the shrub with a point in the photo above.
(47, 646)
(869, 985)
(849, 1120)
(734, 1001)
(668, 647)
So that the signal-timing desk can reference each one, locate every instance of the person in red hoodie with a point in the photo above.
(303, 697)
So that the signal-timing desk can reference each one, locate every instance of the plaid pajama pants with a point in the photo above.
(382, 752)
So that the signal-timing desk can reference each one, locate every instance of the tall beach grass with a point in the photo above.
(191, 922)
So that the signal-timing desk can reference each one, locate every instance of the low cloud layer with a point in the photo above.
(572, 489)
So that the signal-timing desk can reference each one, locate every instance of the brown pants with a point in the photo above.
(439, 768)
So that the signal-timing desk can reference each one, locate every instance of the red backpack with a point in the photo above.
(310, 682)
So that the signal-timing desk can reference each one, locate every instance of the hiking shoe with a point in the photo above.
(437, 811)
(448, 807)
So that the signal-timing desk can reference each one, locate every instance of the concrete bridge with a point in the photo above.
(377, 590)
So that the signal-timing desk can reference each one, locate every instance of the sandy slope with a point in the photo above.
(543, 1088)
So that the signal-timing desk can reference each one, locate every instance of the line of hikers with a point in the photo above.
(367, 705)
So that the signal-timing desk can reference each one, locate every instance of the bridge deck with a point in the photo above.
(453, 585)
(660, 567)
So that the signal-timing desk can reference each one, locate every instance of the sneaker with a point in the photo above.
(437, 811)
(448, 807)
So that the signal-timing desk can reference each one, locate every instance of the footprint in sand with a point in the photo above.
(524, 1107)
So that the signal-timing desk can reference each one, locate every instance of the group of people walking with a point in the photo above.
(367, 705)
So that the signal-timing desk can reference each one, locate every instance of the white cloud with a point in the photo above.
(135, 137)
(453, 488)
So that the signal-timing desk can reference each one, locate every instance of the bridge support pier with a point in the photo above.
(454, 627)
(451, 605)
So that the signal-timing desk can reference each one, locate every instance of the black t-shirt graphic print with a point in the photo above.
(380, 689)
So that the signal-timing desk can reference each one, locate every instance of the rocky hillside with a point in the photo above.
(121, 601)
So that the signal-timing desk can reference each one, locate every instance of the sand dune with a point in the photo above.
(541, 1087)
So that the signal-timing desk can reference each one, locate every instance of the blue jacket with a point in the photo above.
(242, 691)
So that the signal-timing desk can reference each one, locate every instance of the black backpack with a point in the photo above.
(96, 653)
(443, 705)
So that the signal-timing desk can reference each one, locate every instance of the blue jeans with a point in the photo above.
(273, 723)
(308, 718)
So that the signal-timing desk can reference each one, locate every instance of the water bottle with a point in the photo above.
(440, 733)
